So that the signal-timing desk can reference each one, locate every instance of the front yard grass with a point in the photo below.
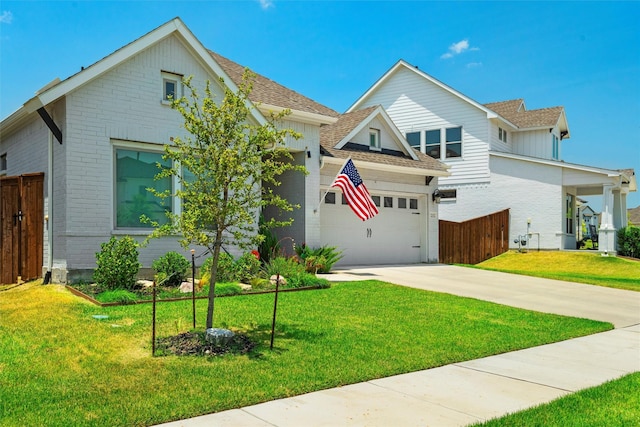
(61, 366)
(615, 403)
(581, 267)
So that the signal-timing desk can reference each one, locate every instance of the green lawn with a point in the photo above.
(616, 403)
(581, 267)
(60, 366)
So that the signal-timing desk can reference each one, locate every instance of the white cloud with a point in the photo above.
(474, 64)
(458, 48)
(265, 4)
(6, 17)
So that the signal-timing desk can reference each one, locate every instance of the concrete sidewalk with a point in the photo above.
(476, 390)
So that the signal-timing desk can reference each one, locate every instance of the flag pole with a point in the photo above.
(316, 210)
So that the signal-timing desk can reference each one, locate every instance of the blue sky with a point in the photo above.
(584, 56)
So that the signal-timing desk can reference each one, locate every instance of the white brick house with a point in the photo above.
(501, 156)
(98, 134)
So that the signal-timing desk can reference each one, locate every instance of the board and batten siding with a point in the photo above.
(536, 143)
(387, 138)
(415, 104)
(121, 106)
(306, 227)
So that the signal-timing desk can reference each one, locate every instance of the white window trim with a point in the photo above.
(378, 144)
(167, 76)
(149, 147)
(443, 142)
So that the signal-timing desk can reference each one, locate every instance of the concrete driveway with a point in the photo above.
(620, 307)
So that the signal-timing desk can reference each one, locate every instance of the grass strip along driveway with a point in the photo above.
(61, 366)
(580, 267)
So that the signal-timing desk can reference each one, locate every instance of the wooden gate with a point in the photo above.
(21, 227)
(475, 240)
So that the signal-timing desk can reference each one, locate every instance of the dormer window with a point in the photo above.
(374, 139)
(171, 85)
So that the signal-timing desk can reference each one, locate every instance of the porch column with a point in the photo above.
(607, 233)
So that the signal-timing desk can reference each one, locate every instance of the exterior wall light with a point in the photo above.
(436, 196)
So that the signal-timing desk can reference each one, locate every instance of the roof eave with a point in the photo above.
(297, 115)
(388, 168)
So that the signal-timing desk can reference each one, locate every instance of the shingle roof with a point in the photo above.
(266, 91)
(515, 111)
(330, 135)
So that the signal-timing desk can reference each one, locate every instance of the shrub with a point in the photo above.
(286, 267)
(629, 241)
(246, 267)
(117, 264)
(225, 268)
(318, 260)
(269, 245)
(173, 267)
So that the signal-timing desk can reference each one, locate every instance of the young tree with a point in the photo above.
(227, 168)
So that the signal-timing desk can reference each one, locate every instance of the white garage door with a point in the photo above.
(391, 237)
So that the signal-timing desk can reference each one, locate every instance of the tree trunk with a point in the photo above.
(212, 279)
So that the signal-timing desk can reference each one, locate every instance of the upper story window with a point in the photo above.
(502, 134)
(454, 142)
(432, 143)
(413, 138)
(555, 149)
(171, 87)
(3, 164)
(374, 139)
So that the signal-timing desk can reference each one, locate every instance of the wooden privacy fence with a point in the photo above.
(475, 240)
(21, 227)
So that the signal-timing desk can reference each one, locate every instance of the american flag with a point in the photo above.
(355, 191)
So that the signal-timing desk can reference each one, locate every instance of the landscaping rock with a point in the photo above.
(273, 279)
(144, 284)
(186, 287)
(217, 336)
(244, 286)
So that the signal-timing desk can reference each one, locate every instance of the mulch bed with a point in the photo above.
(195, 344)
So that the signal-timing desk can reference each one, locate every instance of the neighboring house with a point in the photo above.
(88, 147)
(399, 178)
(501, 156)
(634, 216)
(588, 217)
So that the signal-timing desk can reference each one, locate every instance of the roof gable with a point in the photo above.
(336, 142)
(176, 27)
(401, 64)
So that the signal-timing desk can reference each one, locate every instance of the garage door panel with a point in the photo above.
(392, 236)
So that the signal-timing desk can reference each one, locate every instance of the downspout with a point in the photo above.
(47, 276)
